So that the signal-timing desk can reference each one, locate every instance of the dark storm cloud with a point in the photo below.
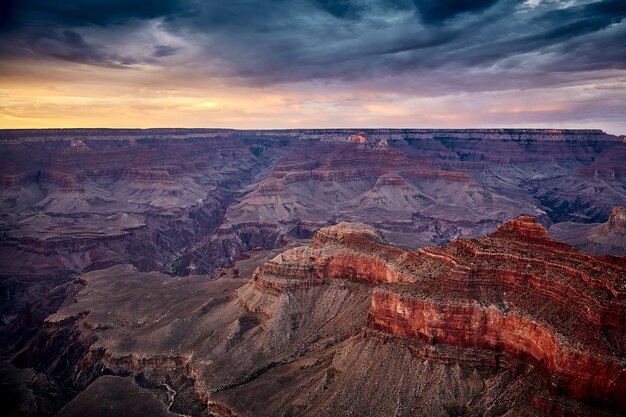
(437, 11)
(52, 29)
(68, 45)
(21, 13)
(272, 41)
(344, 9)
(161, 51)
(562, 34)
(579, 20)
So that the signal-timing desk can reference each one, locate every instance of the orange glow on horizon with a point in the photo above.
(70, 95)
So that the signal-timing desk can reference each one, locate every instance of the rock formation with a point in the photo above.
(602, 238)
(617, 221)
(419, 187)
(510, 322)
(516, 292)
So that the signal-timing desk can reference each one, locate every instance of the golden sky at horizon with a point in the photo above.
(309, 65)
(75, 95)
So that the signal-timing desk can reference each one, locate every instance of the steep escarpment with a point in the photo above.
(346, 251)
(599, 238)
(514, 321)
(598, 188)
(196, 335)
(516, 292)
(191, 196)
(428, 187)
(79, 201)
(521, 293)
(94, 201)
(402, 194)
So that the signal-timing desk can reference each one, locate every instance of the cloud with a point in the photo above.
(437, 11)
(419, 48)
(22, 13)
(343, 9)
(277, 41)
(161, 51)
(339, 40)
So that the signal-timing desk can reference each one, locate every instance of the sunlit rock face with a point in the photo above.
(511, 321)
(515, 292)
(347, 250)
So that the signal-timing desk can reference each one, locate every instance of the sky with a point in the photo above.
(313, 63)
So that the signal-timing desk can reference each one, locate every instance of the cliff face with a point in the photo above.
(515, 292)
(193, 195)
(584, 375)
(98, 201)
(511, 322)
(617, 221)
(352, 251)
(599, 238)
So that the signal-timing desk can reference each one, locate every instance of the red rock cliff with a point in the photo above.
(515, 292)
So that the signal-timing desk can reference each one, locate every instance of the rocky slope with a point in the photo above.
(426, 187)
(78, 200)
(188, 200)
(513, 322)
(115, 396)
(89, 202)
(516, 292)
(609, 237)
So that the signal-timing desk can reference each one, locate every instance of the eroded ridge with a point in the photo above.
(515, 292)
(345, 251)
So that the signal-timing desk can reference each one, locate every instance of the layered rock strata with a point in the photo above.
(180, 186)
(515, 292)
(513, 322)
(599, 238)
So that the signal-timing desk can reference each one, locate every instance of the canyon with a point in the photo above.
(608, 237)
(313, 272)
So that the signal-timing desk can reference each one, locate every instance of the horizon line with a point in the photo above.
(538, 129)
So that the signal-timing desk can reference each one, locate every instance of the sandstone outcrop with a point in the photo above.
(516, 292)
(599, 238)
(617, 221)
(510, 322)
